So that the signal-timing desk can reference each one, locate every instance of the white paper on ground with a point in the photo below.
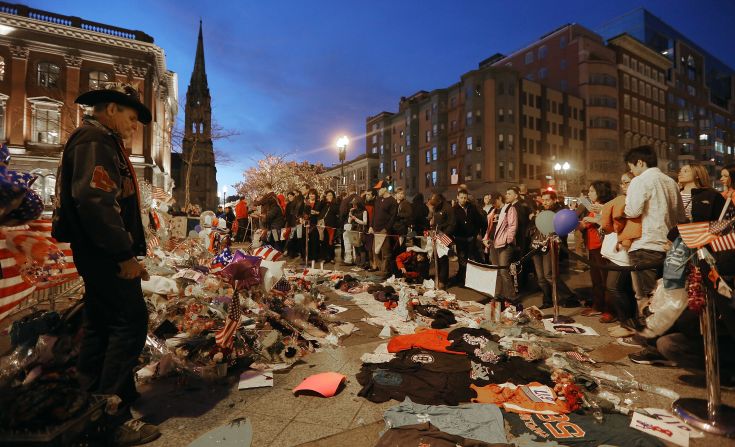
(254, 378)
(568, 328)
(660, 429)
(385, 333)
(334, 309)
(481, 278)
(666, 417)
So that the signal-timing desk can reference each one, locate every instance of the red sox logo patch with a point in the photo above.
(101, 180)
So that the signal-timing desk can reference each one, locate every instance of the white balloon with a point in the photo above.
(163, 207)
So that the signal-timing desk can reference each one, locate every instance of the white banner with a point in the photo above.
(481, 278)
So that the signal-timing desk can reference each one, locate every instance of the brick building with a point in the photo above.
(700, 98)
(48, 59)
(489, 131)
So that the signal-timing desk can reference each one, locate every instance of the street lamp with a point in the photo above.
(560, 170)
(224, 196)
(342, 143)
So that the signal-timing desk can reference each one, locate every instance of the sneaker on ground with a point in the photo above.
(591, 312)
(136, 432)
(650, 356)
(632, 341)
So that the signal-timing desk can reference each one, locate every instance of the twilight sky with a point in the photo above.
(291, 76)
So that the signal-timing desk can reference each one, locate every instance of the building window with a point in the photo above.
(510, 116)
(452, 101)
(529, 57)
(605, 101)
(510, 141)
(435, 129)
(469, 143)
(626, 60)
(543, 73)
(501, 142)
(375, 137)
(428, 136)
(408, 160)
(428, 157)
(45, 185)
(604, 123)
(403, 148)
(501, 88)
(602, 79)
(626, 122)
(395, 165)
(434, 153)
(453, 149)
(48, 74)
(626, 101)
(478, 171)
(382, 167)
(511, 88)
(501, 169)
(2, 68)
(563, 85)
(542, 52)
(434, 178)
(453, 125)
(469, 118)
(501, 116)
(511, 173)
(46, 123)
(427, 181)
(563, 42)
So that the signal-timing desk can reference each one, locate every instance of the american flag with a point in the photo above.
(221, 260)
(282, 285)
(153, 243)
(225, 337)
(444, 239)
(285, 233)
(268, 253)
(724, 243)
(699, 234)
(159, 193)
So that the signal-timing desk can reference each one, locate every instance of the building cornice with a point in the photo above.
(55, 31)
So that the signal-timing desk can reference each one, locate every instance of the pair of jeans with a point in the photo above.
(115, 325)
(383, 257)
(503, 257)
(644, 281)
(544, 277)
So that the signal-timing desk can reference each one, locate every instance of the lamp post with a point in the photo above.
(342, 143)
(560, 171)
(224, 196)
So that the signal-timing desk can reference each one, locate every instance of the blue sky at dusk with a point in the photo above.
(291, 76)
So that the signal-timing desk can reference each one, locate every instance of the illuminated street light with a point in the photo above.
(342, 143)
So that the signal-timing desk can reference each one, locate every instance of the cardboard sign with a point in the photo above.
(660, 429)
(481, 278)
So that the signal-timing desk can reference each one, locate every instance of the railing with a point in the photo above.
(74, 22)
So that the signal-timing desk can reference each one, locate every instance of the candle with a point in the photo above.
(312, 264)
(322, 266)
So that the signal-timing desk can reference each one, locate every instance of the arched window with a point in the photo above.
(2, 68)
(98, 79)
(45, 185)
(48, 74)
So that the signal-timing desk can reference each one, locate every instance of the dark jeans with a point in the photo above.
(542, 267)
(599, 278)
(644, 281)
(503, 257)
(622, 302)
(466, 250)
(115, 324)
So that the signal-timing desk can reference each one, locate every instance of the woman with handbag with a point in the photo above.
(619, 234)
(355, 228)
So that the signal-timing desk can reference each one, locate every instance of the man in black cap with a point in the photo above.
(99, 214)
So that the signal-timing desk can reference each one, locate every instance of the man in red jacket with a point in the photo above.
(241, 215)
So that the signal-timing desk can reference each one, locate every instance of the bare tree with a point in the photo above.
(220, 157)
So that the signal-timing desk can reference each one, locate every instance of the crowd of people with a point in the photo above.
(380, 230)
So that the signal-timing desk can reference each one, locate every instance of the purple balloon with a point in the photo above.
(238, 256)
(565, 221)
(198, 228)
(245, 271)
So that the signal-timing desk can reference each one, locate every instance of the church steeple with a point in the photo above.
(198, 87)
(198, 112)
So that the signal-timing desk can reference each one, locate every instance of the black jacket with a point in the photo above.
(707, 205)
(330, 213)
(420, 214)
(404, 218)
(273, 215)
(522, 234)
(292, 212)
(444, 219)
(345, 205)
(308, 208)
(99, 205)
(468, 221)
(384, 214)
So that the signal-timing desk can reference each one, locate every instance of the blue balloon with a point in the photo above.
(565, 221)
